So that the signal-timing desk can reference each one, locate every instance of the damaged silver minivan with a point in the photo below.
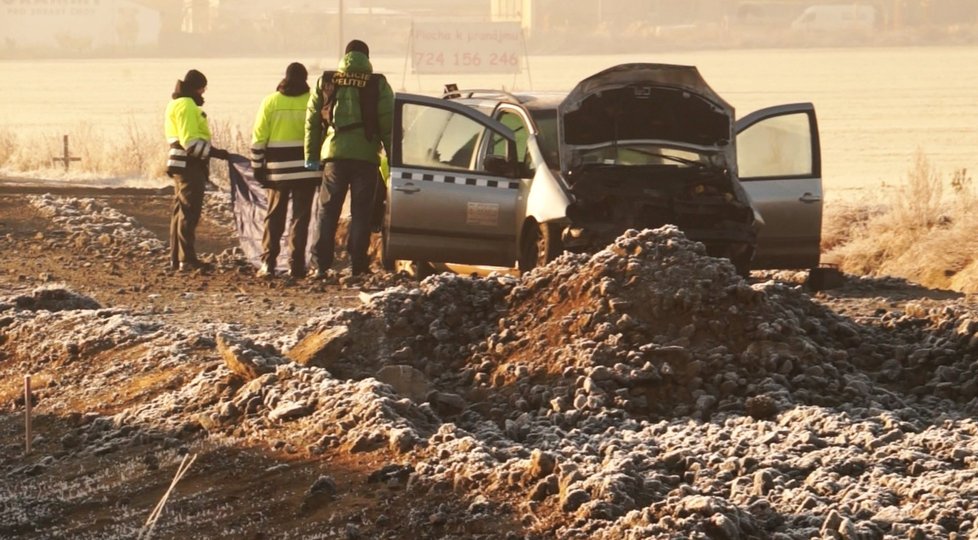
(490, 178)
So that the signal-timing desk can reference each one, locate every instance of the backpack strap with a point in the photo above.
(369, 98)
(329, 99)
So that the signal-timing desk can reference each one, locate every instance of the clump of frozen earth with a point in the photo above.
(87, 221)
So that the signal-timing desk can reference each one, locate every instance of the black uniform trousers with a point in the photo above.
(188, 203)
(360, 179)
(302, 194)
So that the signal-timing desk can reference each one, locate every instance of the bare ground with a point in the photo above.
(255, 490)
(261, 500)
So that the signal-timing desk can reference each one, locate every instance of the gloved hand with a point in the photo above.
(261, 174)
(312, 165)
(220, 153)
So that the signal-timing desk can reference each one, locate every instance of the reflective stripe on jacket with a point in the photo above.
(348, 143)
(277, 138)
(187, 133)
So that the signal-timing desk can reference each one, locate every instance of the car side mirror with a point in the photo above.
(499, 165)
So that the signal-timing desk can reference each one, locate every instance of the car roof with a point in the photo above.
(487, 100)
(541, 100)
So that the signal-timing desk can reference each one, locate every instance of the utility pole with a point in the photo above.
(339, 33)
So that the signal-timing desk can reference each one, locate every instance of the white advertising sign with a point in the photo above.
(466, 47)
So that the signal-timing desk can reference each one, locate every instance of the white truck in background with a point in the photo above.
(836, 18)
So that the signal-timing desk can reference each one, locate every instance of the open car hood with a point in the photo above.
(650, 102)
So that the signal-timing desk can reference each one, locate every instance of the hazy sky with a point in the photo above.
(52, 28)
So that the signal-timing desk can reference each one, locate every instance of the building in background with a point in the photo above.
(196, 16)
(543, 15)
(78, 25)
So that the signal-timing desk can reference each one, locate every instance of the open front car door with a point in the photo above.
(451, 199)
(780, 167)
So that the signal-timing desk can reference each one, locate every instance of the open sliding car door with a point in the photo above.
(445, 206)
(780, 166)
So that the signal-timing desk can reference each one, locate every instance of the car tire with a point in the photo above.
(422, 269)
(825, 277)
(539, 245)
(742, 263)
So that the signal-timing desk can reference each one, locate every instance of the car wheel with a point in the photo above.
(422, 269)
(540, 244)
(742, 262)
(415, 269)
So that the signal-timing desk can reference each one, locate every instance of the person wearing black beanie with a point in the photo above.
(192, 85)
(355, 45)
(189, 138)
(295, 82)
(348, 124)
(277, 161)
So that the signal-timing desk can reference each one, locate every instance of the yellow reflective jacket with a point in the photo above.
(277, 140)
(188, 134)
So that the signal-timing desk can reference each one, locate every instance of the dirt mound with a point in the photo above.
(87, 221)
(49, 298)
(651, 326)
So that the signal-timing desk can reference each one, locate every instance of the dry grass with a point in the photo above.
(133, 151)
(8, 142)
(914, 232)
(232, 138)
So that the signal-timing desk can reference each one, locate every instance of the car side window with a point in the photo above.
(499, 145)
(780, 146)
(438, 138)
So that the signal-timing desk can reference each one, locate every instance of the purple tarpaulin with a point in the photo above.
(250, 205)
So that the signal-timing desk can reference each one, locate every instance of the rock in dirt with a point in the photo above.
(240, 359)
(406, 381)
(321, 348)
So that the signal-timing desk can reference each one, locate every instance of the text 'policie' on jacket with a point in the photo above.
(188, 134)
(345, 138)
(277, 142)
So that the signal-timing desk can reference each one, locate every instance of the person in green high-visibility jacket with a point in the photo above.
(189, 138)
(277, 157)
(348, 124)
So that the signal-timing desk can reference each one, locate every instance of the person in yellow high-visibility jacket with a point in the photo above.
(189, 138)
(277, 157)
(380, 195)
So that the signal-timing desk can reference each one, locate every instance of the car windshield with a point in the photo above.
(626, 153)
(546, 121)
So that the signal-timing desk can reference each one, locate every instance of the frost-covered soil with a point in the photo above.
(642, 392)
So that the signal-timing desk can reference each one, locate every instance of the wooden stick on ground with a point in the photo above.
(147, 531)
(27, 413)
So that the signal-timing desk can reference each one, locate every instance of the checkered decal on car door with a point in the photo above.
(459, 179)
